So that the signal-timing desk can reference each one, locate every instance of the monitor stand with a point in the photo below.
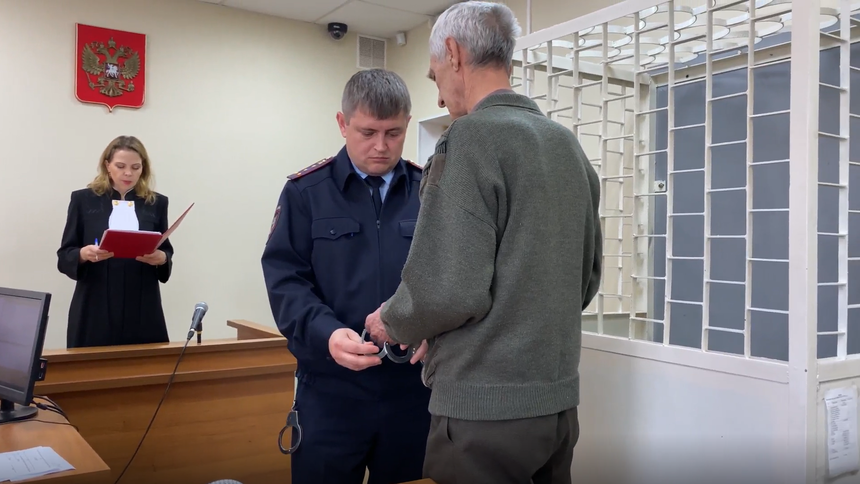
(10, 412)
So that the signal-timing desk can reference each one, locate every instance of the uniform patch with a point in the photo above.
(274, 221)
(437, 166)
(310, 169)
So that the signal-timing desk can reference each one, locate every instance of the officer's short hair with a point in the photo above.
(488, 31)
(378, 92)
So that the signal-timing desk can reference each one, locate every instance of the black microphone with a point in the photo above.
(197, 320)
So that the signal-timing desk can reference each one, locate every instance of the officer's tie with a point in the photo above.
(375, 183)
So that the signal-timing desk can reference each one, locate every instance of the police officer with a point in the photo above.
(339, 239)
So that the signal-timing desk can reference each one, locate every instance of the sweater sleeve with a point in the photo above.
(448, 274)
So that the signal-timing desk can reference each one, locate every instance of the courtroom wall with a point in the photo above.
(412, 60)
(235, 102)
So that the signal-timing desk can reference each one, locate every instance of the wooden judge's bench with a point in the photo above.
(220, 419)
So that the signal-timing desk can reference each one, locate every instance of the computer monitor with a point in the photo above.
(23, 322)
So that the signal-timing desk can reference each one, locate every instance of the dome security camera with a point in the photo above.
(337, 30)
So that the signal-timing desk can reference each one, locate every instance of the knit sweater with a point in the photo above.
(505, 257)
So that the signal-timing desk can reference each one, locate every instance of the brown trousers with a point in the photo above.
(526, 451)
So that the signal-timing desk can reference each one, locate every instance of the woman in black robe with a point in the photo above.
(116, 301)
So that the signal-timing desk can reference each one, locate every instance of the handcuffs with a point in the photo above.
(292, 422)
(293, 416)
(387, 352)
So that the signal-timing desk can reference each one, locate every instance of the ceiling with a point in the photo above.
(379, 18)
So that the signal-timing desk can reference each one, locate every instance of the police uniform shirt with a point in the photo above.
(330, 261)
(386, 178)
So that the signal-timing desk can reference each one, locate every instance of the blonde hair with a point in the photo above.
(101, 184)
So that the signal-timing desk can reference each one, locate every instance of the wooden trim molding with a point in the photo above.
(116, 367)
(250, 330)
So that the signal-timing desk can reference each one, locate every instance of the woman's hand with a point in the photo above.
(92, 253)
(157, 258)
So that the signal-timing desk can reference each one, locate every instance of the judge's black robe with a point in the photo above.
(117, 301)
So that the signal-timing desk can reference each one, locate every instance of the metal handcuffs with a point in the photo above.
(293, 416)
(292, 423)
(386, 351)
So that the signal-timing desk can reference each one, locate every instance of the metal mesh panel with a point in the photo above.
(689, 133)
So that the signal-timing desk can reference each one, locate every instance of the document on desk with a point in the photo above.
(843, 454)
(27, 464)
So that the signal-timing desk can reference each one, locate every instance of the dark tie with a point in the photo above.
(375, 183)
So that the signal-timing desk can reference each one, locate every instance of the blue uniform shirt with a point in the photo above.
(383, 190)
(329, 263)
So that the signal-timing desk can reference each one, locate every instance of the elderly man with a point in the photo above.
(506, 255)
(338, 241)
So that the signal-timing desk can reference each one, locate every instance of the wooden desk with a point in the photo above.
(220, 419)
(48, 429)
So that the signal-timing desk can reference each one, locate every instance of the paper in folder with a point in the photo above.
(128, 244)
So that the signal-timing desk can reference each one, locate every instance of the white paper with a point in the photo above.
(843, 454)
(27, 464)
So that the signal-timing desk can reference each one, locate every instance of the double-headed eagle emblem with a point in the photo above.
(112, 76)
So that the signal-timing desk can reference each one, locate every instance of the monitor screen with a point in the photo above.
(20, 327)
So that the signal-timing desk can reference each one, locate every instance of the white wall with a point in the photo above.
(644, 421)
(413, 60)
(235, 102)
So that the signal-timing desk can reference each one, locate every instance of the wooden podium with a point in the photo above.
(220, 419)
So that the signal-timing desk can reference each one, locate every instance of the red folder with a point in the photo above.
(129, 244)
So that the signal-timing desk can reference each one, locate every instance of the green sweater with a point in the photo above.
(505, 257)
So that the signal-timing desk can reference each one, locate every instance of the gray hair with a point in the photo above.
(378, 92)
(488, 31)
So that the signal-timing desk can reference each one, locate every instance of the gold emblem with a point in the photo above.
(130, 204)
(111, 74)
(115, 202)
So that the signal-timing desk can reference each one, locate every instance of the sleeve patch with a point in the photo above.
(310, 169)
(274, 221)
(437, 166)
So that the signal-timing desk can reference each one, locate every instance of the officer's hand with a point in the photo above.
(349, 351)
(420, 353)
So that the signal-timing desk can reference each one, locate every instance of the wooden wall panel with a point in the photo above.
(220, 419)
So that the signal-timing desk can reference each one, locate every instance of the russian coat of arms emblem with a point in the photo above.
(110, 67)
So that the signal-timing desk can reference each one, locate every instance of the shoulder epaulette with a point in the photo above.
(310, 169)
(414, 165)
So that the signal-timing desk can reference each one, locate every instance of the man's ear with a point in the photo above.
(454, 54)
(341, 123)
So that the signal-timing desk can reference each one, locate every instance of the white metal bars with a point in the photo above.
(833, 322)
(803, 245)
(602, 72)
